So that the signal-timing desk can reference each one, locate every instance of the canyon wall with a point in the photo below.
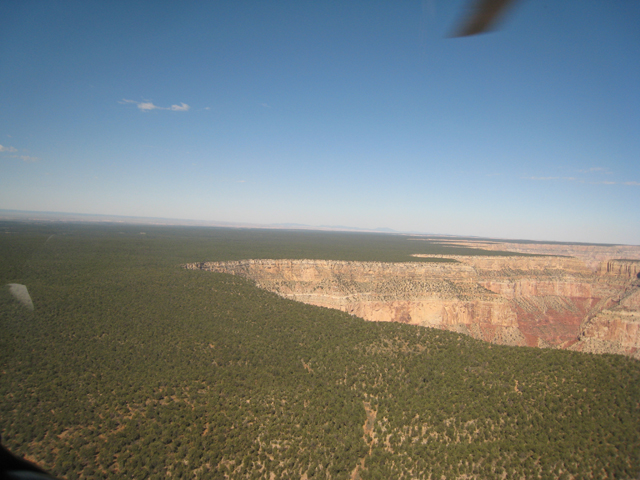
(620, 268)
(542, 301)
(592, 255)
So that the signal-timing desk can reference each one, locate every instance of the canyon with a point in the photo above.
(585, 300)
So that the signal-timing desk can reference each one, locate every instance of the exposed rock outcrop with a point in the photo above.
(543, 301)
(591, 255)
(620, 268)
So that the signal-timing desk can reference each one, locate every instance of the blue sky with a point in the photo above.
(326, 113)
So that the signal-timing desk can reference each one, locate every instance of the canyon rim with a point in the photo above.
(578, 297)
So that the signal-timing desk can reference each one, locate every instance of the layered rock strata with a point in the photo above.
(592, 255)
(514, 300)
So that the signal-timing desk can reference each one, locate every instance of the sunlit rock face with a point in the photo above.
(620, 268)
(538, 301)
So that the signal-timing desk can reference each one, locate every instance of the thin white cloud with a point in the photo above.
(124, 100)
(145, 106)
(265, 105)
(566, 179)
(148, 106)
(573, 179)
(26, 158)
(605, 171)
(609, 182)
(183, 107)
(7, 149)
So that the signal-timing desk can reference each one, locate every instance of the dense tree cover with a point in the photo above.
(132, 367)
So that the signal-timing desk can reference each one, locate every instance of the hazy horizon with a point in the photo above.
(363, 114)
(86, 218)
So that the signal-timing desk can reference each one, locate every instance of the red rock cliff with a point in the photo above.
(536, 301)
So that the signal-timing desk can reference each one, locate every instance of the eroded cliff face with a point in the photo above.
(620, 268)
(614, 327)
(535, 301)
(592, 255)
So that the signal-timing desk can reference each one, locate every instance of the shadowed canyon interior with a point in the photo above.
(585, 302)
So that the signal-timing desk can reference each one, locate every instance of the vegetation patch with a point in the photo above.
(132, 367)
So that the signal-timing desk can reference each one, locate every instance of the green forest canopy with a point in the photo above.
(130, 366)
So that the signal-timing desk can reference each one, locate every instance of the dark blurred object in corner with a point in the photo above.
(13, 467)
(483, 16)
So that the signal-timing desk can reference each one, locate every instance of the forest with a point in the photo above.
(130, 366)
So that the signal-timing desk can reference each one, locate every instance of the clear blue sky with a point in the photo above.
(337, 113)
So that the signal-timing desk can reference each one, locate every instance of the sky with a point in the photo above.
(361, 113)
